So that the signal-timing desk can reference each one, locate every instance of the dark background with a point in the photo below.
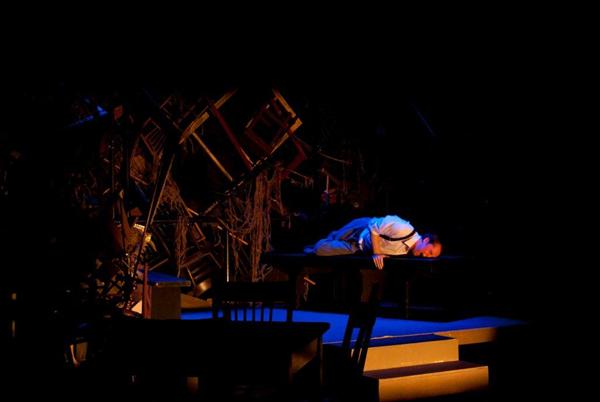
(480, 174)
(500, 88)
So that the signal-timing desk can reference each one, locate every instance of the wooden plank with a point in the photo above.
(212, 156)
(203, 116)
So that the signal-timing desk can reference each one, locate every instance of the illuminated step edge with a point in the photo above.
(428, 380)
(402, 351)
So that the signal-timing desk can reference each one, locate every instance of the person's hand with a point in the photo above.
(378, 260)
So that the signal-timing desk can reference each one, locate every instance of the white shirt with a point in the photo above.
(391, 226)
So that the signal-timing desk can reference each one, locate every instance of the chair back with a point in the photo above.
(250, 301)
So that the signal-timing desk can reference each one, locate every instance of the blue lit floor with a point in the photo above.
(383, 326)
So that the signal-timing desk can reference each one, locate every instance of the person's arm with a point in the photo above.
(377, 255)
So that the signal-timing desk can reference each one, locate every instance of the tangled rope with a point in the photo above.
(248, 218)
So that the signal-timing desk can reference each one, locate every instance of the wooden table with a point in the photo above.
(216, 351)
(354, 268)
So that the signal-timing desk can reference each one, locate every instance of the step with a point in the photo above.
(401, 351)
(472, 335)
(428, 380)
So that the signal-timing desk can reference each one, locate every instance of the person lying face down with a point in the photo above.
(380, 237)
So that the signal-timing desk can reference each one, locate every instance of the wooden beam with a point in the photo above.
(297, 123)
(203, 116)
(232, 137)
(212, 156)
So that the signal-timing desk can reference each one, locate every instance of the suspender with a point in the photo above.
(388, 238)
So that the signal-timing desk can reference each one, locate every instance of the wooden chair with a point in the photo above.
(362, 319)
(344, 365)
(251, 301)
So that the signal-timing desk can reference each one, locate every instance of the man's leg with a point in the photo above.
(327, 247)
(351, 230)
(342, 241)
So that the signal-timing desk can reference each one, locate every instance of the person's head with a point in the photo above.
(427, 246)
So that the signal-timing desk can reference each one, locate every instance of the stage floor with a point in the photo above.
(468, 330)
